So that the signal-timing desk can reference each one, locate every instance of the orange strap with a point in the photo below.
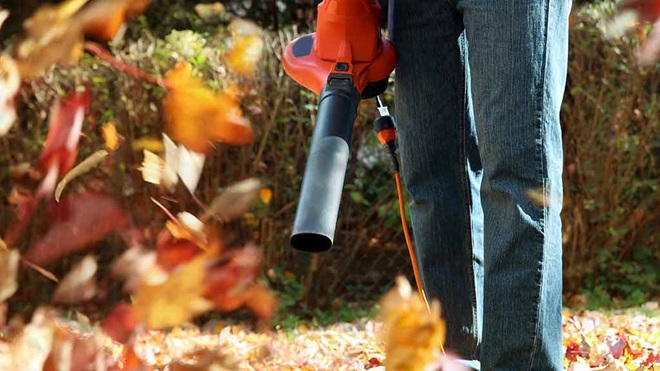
(411, 250)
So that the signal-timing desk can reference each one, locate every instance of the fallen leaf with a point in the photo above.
(61, 146)
(120, 323)
(79, 284)
(86, 165)
(175, 301)
(79, 221)
(412, 333)
(32, 346)
(110, 136)
(233, 202)
(206, 360)
(198, 116)
(247, 47)
(9, 83)
(8, 272)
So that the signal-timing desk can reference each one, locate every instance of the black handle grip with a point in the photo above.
(323, 181)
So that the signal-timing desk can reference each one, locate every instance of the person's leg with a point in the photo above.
(518, 58)
(435, 137)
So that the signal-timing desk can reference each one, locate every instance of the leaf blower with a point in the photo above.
(345, 60)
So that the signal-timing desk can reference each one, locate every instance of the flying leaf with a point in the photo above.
(52, 36)
(152, 168)
(149, 143)
(8, 272)
(61, 146)
(265, 195)
(628, 16)
(198, 116)
(137, 267)
(4, 14)
(79, 284)
(79, 221)
(231, 283)
(110, 136)
(9, 83)
(32, 346)
(412, 334)
(120, 323)
(89, 163)
(175, 301)
(234, 201)
(247, 47)
(172, 252)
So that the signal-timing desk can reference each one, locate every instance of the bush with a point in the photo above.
(611, 143)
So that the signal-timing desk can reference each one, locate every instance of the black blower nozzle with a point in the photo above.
(323, 180)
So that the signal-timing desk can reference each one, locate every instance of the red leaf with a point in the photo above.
(61, 147)
(172, 252)
(120, 323)
(649, 10)
(79, 221)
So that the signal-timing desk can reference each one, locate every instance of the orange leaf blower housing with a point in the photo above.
(347, 42)
(346, 60)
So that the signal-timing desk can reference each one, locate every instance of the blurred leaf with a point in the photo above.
(265, 195)
(103, 19)
(61, 148)
(86, 165)
(234, 201)
(206, 360)
(110, 136)
(247, 47)
(137, 267)
(4, 14)
(79, 284)
(149, 143)
(52, 36)
(210, 12)
(198, 116)
(8, 272)
(172, 252)
(412, 334)
(175, 301)
(120, 323)
(152, 168)
(31, 347)
(9, 83)
(78, 222)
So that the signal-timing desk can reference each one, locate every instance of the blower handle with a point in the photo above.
(323, 180)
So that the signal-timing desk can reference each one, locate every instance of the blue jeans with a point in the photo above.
(479, 85)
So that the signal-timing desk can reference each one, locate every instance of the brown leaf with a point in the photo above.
(79, 284)
(120, 323)
(86, 165)
(52, 36)
(234, 201)
(206, 360)
(137, 266)
(8, 272)
(78, 222)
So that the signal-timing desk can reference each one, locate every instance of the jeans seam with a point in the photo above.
(542, 171)
(468, 200)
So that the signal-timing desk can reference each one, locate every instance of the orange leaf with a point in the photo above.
(198, 116)
(110, 136)
(120, 323)
(103, 18)
(247, 47)
(171, 252)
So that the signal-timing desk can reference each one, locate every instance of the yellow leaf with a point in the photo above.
(8, 272)
(175, 301)
(247, 47)
(149, 143)
(265, 195)
(412, 334)
(198, 116)
(110, 136)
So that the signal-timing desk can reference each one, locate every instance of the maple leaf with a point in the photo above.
(413, 335)
(79, 284)
(198, 116)
(9, 84)
(176, 300)
(61, 146)
(79, 221)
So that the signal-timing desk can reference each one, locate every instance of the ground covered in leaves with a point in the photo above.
(593, 340)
